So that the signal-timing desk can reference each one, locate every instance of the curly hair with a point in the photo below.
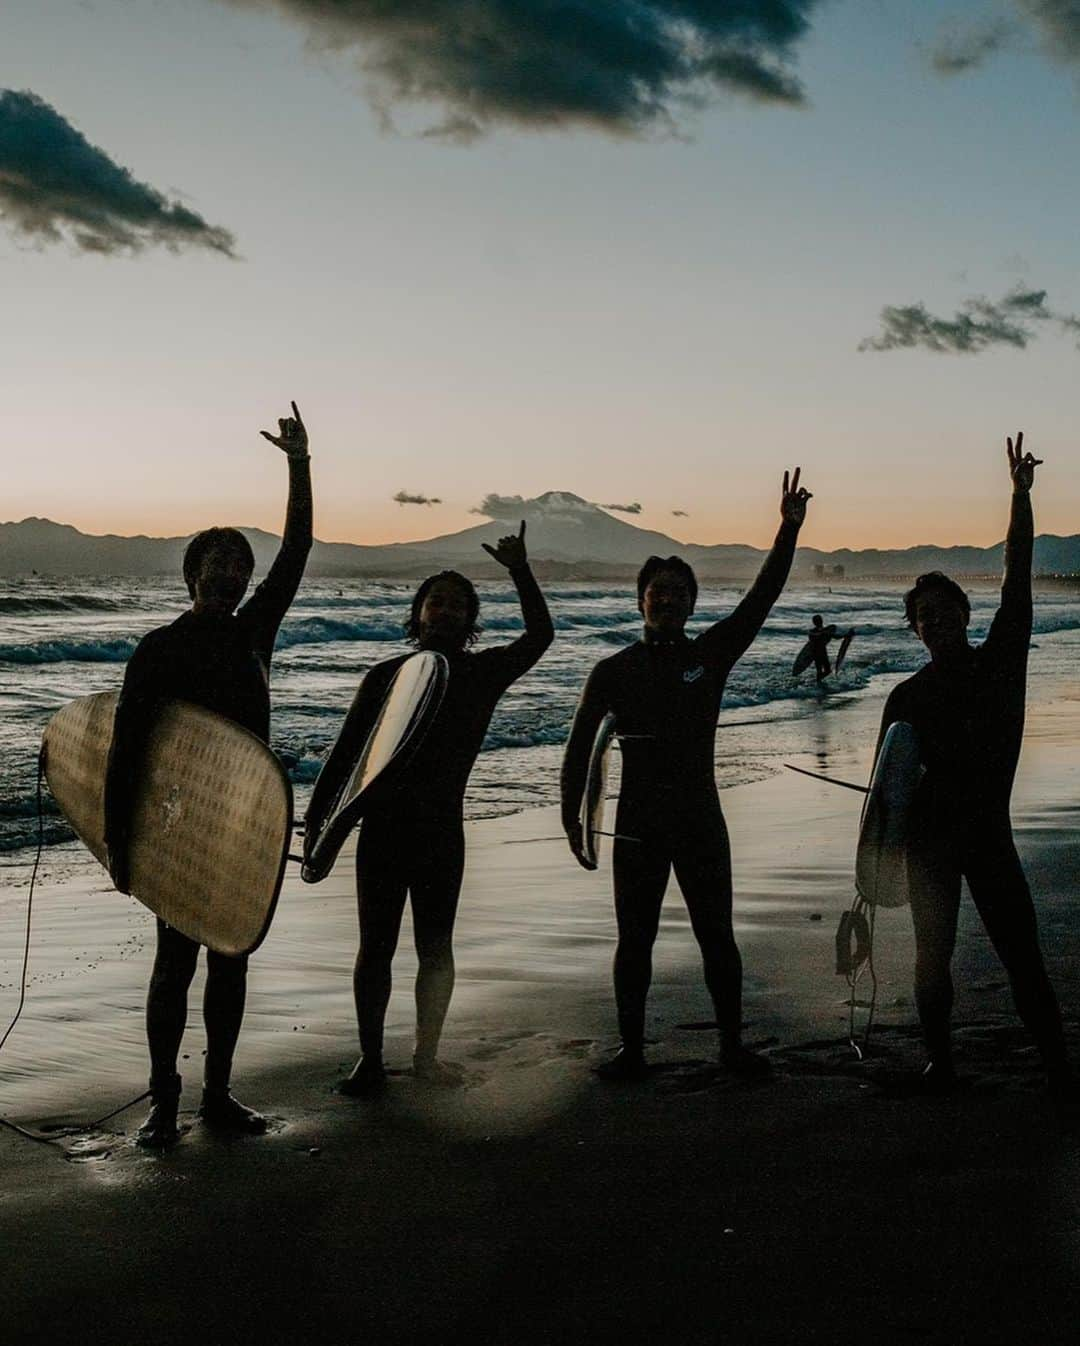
(472, 629)
(209, 539)
(934, 579)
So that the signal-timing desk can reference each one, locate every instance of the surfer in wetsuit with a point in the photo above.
(218, 656)
(818, 638)
(413, 843)
(665, 692)
(967, 708)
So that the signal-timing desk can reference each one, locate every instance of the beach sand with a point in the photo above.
(537, 1203)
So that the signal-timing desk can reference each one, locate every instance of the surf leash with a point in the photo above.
(854, 956)
(30, 899)
(525, 841)
(54, 1137)
(829, 780)
(57, 1135)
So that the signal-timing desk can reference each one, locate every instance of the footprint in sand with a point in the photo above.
(90, 1149)
(696, 1077)
(495, 1046)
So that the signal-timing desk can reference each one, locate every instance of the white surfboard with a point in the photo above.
(841, 654)
(881, 872)
(411, 704)
(594, 797)
(211, 821)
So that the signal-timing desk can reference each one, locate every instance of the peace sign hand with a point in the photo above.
(509, 551)
(291, 438)
(793, 500)
(1021, 465)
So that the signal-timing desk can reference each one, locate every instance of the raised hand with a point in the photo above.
(509, 551)
(1021, 465)
(291, 438)
(793, 500)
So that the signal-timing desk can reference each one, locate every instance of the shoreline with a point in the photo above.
(83, 929)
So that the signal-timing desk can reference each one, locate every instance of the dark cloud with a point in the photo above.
(635, 508)
(623, 66)
(978, 324)
(405, 498)
(1058, 21)
(54, 185)
(680, 513)
(960, 50)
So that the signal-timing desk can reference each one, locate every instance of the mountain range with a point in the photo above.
(568, 538)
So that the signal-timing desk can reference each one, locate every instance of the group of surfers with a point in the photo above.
(966, 706)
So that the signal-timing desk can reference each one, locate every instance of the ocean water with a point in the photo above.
(65, 638)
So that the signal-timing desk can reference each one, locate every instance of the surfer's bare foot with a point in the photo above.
(740, 1060)
(368, 1077)
(628, 1063)
(222, 1112)
(160, 1130)
(442, 1074)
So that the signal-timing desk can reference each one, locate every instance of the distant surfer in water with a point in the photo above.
(413, 843)
(665, 692)
(816, 650)
(216, 655)
(967, 708)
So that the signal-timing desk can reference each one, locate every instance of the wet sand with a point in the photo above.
(537, 1204)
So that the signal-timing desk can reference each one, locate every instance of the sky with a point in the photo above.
(651, 253)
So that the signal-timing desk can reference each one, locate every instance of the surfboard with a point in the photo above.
(881, 874)
(805, 657)
(595, 794)
(841, 653)
(411, 703)
(211, 822)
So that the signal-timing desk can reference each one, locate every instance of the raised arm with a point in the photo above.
(267, 606)
(519, 655)
(729, 639)
(592, 708)
(1014, 615)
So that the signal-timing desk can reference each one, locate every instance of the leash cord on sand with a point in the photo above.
(854, 973)
(873, 978)
(30, 900)
(55, 1138)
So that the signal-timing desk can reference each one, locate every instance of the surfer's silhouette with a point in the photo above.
(216, 655)
(665, 692)
(818, 638)
(412, 843)
(816, 650)
(967, 708)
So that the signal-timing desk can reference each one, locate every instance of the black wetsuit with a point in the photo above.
(666, 696)
(969, 718)
(818, 638)
(413, 843)
(222, 663)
